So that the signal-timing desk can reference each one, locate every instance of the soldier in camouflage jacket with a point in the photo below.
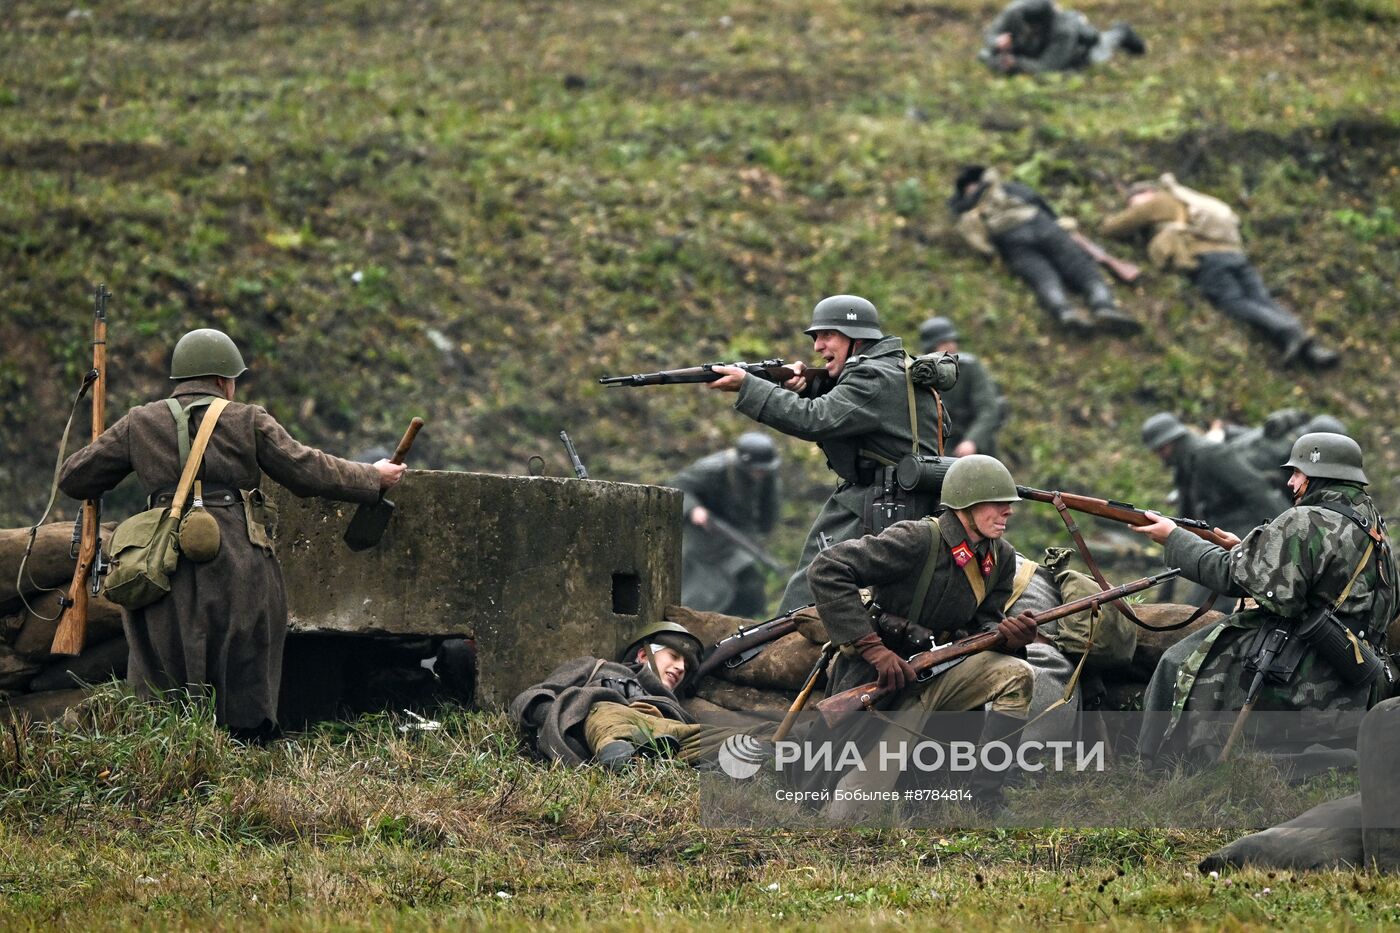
(1291, 567)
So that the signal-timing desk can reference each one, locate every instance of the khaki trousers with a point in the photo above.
(642, 722)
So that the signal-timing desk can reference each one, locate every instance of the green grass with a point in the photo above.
(535, 194)
(130, 815)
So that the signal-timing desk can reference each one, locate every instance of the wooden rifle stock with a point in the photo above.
(928, 663)
(1123, 512)
(1124, 271)
(747, 643)
(72, 624)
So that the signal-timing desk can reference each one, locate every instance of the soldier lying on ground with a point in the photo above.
(1329, 550)
(947, 576)
(1013, 221)
(738, 486)
(859, 416)
(1031, 36)
(1199, 235)
(611, 712)
(975, 406)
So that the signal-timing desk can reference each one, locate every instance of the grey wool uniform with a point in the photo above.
(974, 407)
(717, 576)
(891, 565)
(1217, 485)
(223, 624)
(861, 423)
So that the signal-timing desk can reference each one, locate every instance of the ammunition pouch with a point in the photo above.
(1354, 659)
(901, 636)
(886, 502)
(261, 516)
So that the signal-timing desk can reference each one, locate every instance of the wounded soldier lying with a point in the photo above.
(611, 712)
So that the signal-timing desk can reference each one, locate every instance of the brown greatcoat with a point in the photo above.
(223, 624)
(890, 564)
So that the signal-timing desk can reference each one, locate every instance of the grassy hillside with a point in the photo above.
(472, 210)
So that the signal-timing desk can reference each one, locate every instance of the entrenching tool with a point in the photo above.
(370, 519)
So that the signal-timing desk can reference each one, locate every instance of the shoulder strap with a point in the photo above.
(201, 441)
(182, 421)
(914, 410)
(973, 571)
(916, 607)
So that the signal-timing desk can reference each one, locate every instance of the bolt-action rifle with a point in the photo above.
(938, 659)
(1123, 270)
(749, 642)
(771, 370)
(86, 547)
(1124, 512)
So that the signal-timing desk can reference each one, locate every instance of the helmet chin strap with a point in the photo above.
(1302, 489)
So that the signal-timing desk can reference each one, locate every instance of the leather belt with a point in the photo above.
(214, 497)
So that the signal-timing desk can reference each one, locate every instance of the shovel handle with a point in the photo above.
(407, 441)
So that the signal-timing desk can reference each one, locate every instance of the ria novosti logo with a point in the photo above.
(741, 756)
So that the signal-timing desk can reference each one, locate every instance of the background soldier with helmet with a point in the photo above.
(1327, 552)
(738, 486)
(860, 417)
(975, 406)
(222, 626)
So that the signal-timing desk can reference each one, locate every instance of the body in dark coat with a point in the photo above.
(223, 624)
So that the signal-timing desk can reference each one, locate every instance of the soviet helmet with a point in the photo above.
(1161, 429)
(978, 478)
(757, 449)
(667, 634)
(206, 352)
(847, 314)
(934, 331)
(1327, 456)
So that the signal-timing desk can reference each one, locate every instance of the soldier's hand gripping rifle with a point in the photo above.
(748, 643)
(87, 545)
(927, 664)
(1124, 512)
(771, 370)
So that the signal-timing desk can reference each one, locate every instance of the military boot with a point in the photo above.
(1074, 321)
(1111, 320)
(985, 784)
(1319, 357)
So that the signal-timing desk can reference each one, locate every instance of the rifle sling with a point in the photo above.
(1121, 605)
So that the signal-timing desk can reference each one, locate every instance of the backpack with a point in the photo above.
(1207, 217)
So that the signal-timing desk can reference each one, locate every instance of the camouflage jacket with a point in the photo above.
(1296, 564)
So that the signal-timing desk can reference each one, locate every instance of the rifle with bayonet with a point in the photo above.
(749, 642)
(742, 541)
(771, 370)
(928, 664)
(86, 547)
(1124, 512)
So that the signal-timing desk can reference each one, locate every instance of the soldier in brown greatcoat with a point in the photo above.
(222, 626)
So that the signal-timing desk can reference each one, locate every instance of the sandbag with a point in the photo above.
(43, 707)
(49, 563)
(16, 671)
(97, 663)
(1326, 837)
(35, 634)
(769, 703)
(1152, 645)
(783, 665)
